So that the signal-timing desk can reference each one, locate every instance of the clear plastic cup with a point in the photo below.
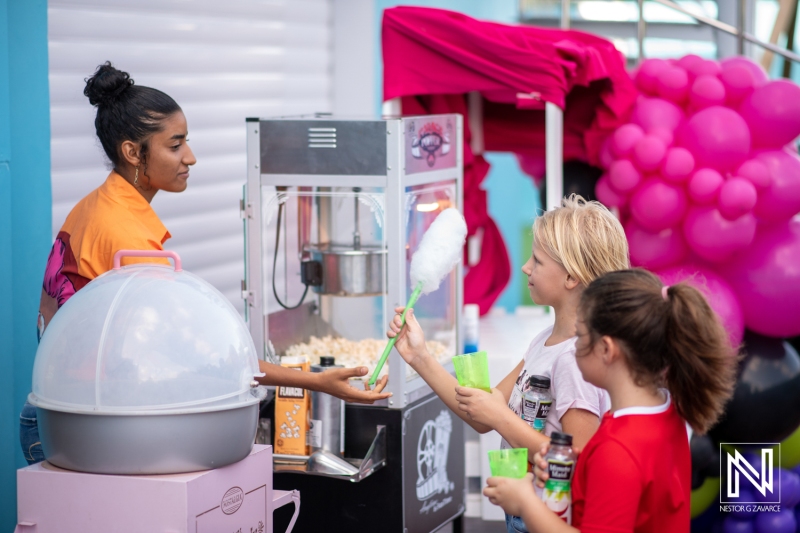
(509, 463)
(472, 370)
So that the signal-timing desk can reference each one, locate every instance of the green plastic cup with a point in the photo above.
(472, 370)
(509, 463)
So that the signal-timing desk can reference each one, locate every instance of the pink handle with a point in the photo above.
(147, 253)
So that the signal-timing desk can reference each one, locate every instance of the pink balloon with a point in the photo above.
(736, 198)
(651, 113)
(606, 157)
(690, 62)
(606, 194)
(755, 171)
(625, 138)
(773, 114)
(767, 280)
(706, 91)
(655, 250)
(739, 82)
(781, 199)
(673, 84)
(717, 137)
(678, 165)
(706, 68)
(647, 74)
(658, 205)
(759, 74)
(719, 294)
(664, 134)
(623, 176)
(704, 186)
(715, 238)
(649, 152)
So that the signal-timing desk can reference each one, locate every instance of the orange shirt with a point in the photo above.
(113, 217)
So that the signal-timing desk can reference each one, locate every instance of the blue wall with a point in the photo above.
(513, 204)
(513, 200)
(25, 219)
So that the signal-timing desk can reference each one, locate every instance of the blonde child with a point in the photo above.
(573, 245)
(635, 337)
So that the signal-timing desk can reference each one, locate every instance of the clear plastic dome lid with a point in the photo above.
(145, 337)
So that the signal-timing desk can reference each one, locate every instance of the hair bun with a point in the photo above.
(106, 85)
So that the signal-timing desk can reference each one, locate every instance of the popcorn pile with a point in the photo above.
(365, 352)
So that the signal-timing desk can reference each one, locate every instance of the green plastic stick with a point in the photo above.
(411, 301)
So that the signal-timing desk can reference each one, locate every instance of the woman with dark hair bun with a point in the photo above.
(144, 133)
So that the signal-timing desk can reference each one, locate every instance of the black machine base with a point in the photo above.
(421, 488)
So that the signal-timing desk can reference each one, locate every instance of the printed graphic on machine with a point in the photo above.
(432, 449)
(428, 144)
(434, 465)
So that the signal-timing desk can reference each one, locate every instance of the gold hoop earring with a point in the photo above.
(136, 177)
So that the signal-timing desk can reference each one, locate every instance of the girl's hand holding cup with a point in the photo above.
(482, 407)
(510, 494)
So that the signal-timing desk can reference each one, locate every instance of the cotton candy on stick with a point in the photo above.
(439, 251)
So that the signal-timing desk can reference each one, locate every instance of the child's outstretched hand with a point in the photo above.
(481, 407)
(513, 495)
(410, 342)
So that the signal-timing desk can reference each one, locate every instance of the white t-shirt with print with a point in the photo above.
(567, 386)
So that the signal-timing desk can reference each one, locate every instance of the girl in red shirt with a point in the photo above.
(665, 360)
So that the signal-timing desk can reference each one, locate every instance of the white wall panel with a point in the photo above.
(222, 62)
(354, 50)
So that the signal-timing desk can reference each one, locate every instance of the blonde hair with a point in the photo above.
(583, 237)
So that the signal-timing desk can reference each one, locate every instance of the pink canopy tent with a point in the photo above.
(433, 58)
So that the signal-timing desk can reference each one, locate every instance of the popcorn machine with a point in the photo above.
(334, 209)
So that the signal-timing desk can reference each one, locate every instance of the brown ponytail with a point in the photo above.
(675, 341)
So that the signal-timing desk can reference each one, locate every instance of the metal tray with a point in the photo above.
(331, 466)
(147, 444)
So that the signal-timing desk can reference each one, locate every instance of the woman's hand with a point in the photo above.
(480, 406)
(513, 495)
(336, 382)
(410, 342)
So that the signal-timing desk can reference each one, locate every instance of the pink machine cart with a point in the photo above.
(237, 498)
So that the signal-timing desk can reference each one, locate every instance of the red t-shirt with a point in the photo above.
(635, 474)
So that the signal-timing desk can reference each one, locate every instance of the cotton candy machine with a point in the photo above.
(146, 370)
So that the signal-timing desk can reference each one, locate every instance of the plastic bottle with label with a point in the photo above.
(560, 459)
(536, 402)
(471, 328)
(326, 431)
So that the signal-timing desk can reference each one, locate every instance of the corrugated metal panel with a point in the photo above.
(222, 62)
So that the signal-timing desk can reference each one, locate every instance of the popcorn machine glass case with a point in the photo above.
(334, 210)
